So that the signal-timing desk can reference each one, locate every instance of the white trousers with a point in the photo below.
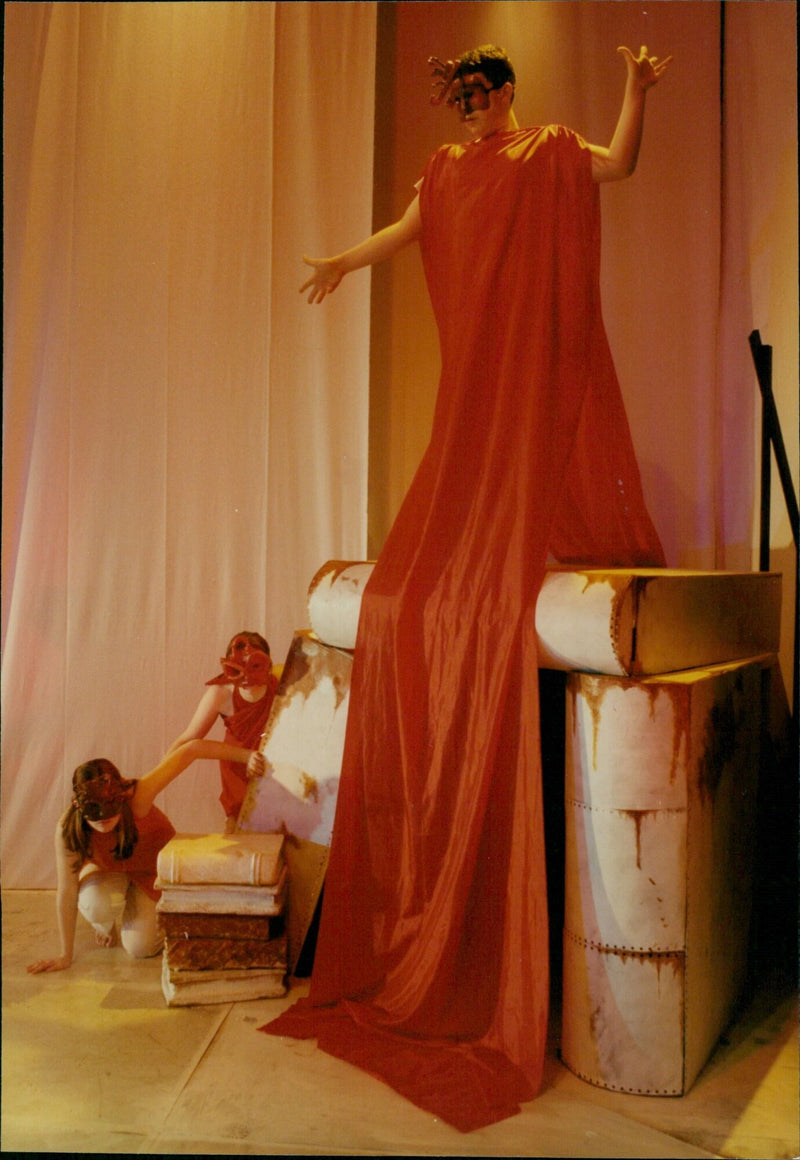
(100, 895)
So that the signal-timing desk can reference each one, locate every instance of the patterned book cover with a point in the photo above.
(227, 926)
(223, 954)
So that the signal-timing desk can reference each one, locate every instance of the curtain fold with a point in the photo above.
(153, 228)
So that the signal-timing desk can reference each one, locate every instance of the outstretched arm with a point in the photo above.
(213, 701)
(66, 907)
(328, 272)
(619, 159)
(149, 786)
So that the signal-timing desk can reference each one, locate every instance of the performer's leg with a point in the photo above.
(99, 895)
(141, 937)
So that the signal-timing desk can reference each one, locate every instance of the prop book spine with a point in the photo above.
(222, 899)
(223, 987)
(212, 859)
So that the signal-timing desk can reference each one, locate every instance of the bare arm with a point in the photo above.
(619, 159)
(151, 785)
(328, 272)
(66, 907)
(147, 788)
(215, 700)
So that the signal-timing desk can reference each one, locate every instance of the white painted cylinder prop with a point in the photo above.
(334, 601)
(617, 621)
(623, 1018)
(660, 786)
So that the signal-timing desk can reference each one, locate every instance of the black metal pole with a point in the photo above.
(772, 437)
(764, 376)
(771, 429)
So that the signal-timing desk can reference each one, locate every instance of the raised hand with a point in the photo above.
(326, 277)
(645, 70)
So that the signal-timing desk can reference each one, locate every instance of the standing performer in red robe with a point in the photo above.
(242, 696)
(431, 967)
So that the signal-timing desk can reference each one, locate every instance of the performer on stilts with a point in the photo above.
(431, 966)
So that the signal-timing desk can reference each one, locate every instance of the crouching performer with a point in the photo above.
(107, 845)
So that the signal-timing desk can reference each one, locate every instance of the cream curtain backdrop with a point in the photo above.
(185, 439)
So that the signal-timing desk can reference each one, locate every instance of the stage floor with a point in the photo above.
(93, 1061)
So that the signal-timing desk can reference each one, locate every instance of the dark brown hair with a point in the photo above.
(254, 639)
(489, 60)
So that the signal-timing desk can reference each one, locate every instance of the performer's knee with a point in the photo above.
(95, 903)
(140, 935)
(141, 942)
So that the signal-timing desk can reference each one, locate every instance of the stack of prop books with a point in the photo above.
(222, 913)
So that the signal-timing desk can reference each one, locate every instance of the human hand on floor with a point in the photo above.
(42, 966)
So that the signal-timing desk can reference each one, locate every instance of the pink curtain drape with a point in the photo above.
(184, 438)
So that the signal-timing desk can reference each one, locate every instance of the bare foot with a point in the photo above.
(107, 940)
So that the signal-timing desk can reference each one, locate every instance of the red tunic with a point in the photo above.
(155, 830)
(243, 727)
(431, 967)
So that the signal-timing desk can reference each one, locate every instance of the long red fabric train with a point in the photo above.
(431, 967)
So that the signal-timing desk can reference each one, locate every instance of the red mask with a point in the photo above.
(100, 797)
(244, 665)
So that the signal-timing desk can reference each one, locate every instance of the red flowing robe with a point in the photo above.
(243, 727)
(431, 967)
